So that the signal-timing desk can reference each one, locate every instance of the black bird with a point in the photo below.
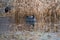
(30, 20)
(7, 9)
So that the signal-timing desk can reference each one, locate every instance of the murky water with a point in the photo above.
(4, 24)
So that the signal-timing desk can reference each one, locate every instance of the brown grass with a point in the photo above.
(44, 13)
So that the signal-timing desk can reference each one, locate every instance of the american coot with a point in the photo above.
(30, 20)
(7, 9)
